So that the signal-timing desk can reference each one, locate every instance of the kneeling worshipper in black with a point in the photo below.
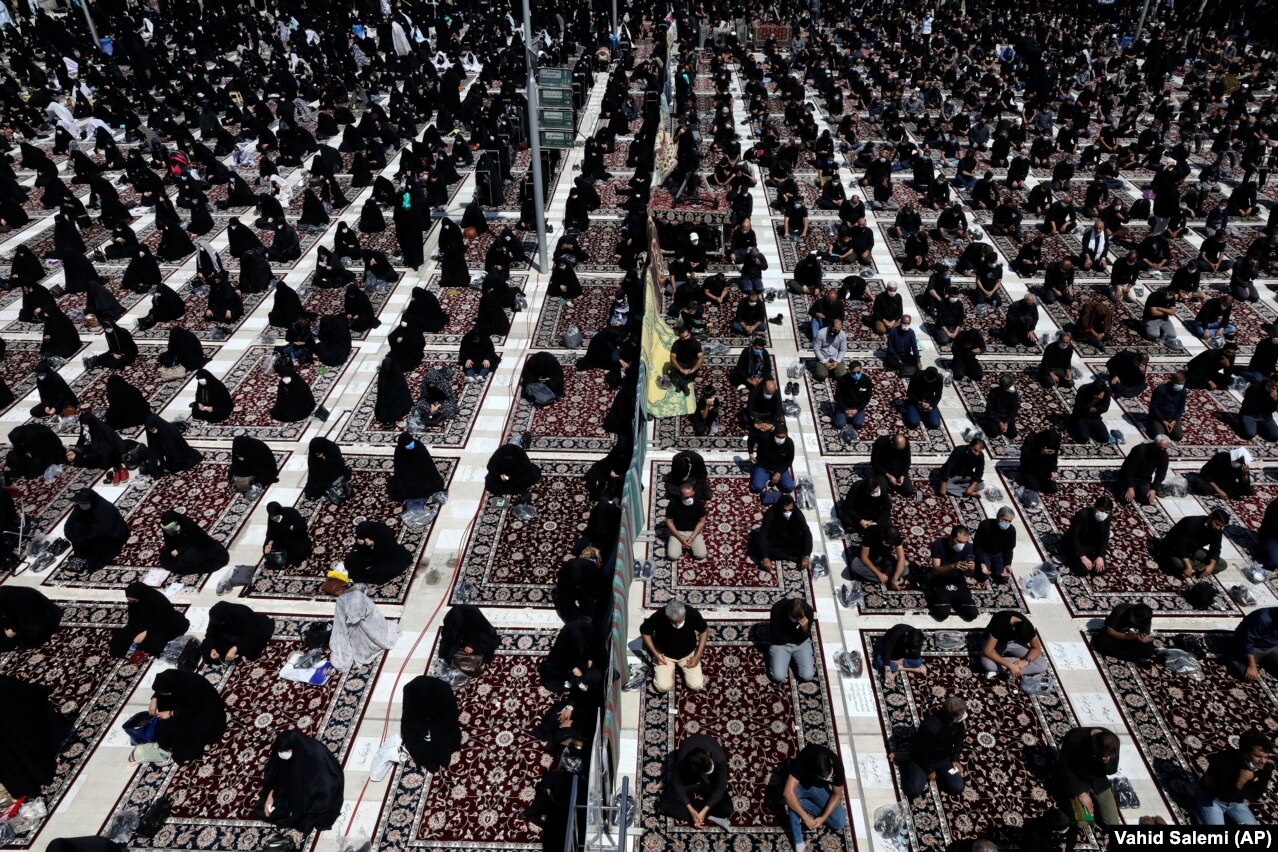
(213, 402)
(190, 714)
(96, 530)
(510, 471)
(33, 447)
(287, 540)
(294, 401)
(570, 665)
(253, 460)
(697, 786)
(125, 405)
(183, 350)
(568, 724)
(59, 338)
(29, 762)
(235, 632)
(467, 630)
(151, 624)
(424, 309)
(302, 785)
(360, 314)
(121, 352)
(27, 619)
(415, 476)
(56, 399)
(429, 725)
(167, 451)
(325, 468)
(98, 446)
(1127, 634)
(542, 368)
(333, 340)
(377, 556)
(407, 345)
(188, 550)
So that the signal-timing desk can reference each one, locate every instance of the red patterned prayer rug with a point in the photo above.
(144, 374)
(1252, 319)
(1178, 721)
(1012, 743)
(194, 320)
(462, 306)
(17, 367)
(619, 155)
(343, 181)
(511, 199)
(1040, 408)
(477, 248)
(988, 319)
(574, 422)
(326, 301)
(1055, 247)
(589, 312)
(1209, 421)
(676, 432)
(364, 428)
(818, 240)
(203, 493)
(1126, 332)
(863, 343)
(213, 797)
(476, 802)
(305, 239)
(252, 382)
(515, 563)
(1181, 250)
(809, 194)
(89, 686)
(332, 533)
(75, 302)
(44, 503)
(938, 250)
(920, 524)
(758, 723)
(882, 416)
(42, 242)
(1135, 532)
(731, 576)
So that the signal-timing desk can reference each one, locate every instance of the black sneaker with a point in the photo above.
(777, 320)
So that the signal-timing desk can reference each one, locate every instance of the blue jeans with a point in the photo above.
(840, 419)
(480, 373)
(814, 328)
(881, 662)
(1200, 328)
(994, 562)
(814, 800)
(751, 285)
(739, 328)
(914, 415)
(760, 477)
(1208, 810)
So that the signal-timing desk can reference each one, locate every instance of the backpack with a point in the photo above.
(539, 393)
(572, 337)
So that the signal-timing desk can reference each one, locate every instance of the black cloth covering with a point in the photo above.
(233, 625)
(149, 610)
(415, 475)
(465, 626)
(98, 533)
(324, 466)
(429, 725)
(519, 471)
(29, 762)
(306, 789)
(189, 550)
(199, 714)
(383, 560)
(31, 616)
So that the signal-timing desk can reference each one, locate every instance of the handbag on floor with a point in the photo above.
(141, 727)
(339, 492)
(471, 664)
(155, 817)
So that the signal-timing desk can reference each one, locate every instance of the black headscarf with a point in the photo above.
(143, 271)
(306, 790)
(53, 390)
(198, 714)
(394, 399)
(166, 304)
(285, 246)
(429, 722)
(26, 268)
(126, 406)
(210, 391)
(287, 308)
(151, 610)
(184, 348)
(424, 309)
(252, 457)
(119, 342)
(407, 345)
(60, 338)
(33, 447)
(98, 446)
(333, 341)
(324, 466)
(294, 400)
(29, 762)
(241, 238)
(520, 471)
(167, 450)
(29, 614)
(288, 534)
(255, 273)
(415, 475)
(233, 625)
(197, 551)
(224, 304)
(465, 626)
(385, 560)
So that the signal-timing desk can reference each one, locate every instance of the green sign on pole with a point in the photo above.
(556, 138)
(554, 78)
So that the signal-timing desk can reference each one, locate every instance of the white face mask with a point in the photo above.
(286, 755)
(1101, 516)
(688, 501)
(780, 441)
(875, 493)
(787, 515)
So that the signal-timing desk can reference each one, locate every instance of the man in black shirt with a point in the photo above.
(790, 623)
(697, 788)
(675, 636)
(994, 544)
(1192, 548)
(881, 558)
(1143, 471)
(686, 360)
(963, 472)
(936, 752)
(1156, 321)
(1234, 778)
(1127, 635)
(815, 787)
(1087, 539)
(890, 459)
(784, 535)
(771, 458)
(852, 394)
(685, 521)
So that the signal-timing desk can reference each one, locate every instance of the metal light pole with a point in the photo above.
(93, 31)
(534, 140)
(1140, 26)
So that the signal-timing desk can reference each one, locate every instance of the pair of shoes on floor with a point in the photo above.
(792, 388)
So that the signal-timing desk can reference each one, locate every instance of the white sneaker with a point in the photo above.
(388, 755)
(800, 846)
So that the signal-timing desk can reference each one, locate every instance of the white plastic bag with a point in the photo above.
(1036, 585)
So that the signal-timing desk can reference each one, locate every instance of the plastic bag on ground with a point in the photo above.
(1036, 585)
(52, 472)
(455, 678)
(1255, 573)
(525, 512)
(417, 519)
(173, 650)
(834, 529)
(1039, 684)
(890, 821)
(122, 827)
(1178, 661)
(356, 842)
(949, 640)
(1123, 792)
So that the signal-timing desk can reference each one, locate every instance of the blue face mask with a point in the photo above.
(411, 445)
(1005, 525)
(856, 375)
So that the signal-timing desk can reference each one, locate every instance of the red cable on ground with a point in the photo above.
(420, 635)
